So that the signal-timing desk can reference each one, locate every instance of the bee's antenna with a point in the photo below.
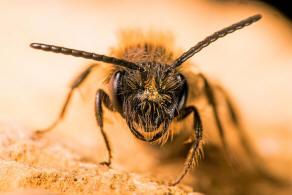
(87, 55)
(199, 46)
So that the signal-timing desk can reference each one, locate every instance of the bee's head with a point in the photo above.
(149, 99)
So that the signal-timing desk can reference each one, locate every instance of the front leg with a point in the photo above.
(198, 133)
(102, 97)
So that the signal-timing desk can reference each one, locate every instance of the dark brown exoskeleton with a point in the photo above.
(150, 93)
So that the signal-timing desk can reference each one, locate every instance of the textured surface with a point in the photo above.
(29, 164)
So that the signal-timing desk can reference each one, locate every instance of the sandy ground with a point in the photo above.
(254, 64)
(29, 164)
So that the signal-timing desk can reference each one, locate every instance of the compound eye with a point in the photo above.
(183, 93)
(116, 85)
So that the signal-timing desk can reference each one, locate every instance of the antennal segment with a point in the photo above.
(199, 46)
(87, 55)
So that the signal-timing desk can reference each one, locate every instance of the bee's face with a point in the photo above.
(149, 100)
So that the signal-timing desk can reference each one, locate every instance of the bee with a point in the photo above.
(148, 88)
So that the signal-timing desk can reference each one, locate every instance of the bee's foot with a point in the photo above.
(37, 134)
(105, 163)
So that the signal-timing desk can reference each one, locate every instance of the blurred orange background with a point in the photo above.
(254, 64)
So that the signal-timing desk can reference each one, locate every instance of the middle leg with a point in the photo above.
(210, 93)
(212, 101)
(76, 83)
(253, 156)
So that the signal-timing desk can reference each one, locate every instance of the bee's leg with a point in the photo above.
(235, 119)
(212, 101)
(102, 97)
(253, 156)
(244, 141)
(77, 82)
(198, 132)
